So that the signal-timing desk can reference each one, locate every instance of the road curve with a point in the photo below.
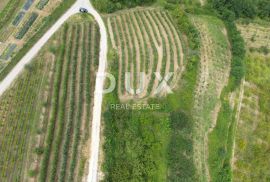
(15, 72)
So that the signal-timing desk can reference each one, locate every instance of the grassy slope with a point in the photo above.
(252, 137)
(217, 59)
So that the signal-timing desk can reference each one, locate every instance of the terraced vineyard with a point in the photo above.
(45, 117)
(213, 77)
(147, 41)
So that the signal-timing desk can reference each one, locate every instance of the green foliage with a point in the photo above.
(243, 8)
(181, 166)
(136, 145)
(33, 173)
(183, 22)
(109, 6)
(220, 145)
(39, 150)
(228, 15)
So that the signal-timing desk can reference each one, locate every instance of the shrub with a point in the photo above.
(39, 150)
(33, 173)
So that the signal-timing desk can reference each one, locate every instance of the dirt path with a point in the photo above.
(238, 113)
(202, 2)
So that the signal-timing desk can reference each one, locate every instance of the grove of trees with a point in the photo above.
(244, 8)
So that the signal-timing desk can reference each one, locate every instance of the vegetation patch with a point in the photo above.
(252, 135)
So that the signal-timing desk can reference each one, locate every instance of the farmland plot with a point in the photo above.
(146, 42)
(45, 117)
(256, 36)
(213, 76)
(18, 112)
(71, 106)
(252, 137)
(21, 21)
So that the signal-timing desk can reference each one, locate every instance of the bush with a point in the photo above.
(39, 150)
(184, 24)
(33, 173)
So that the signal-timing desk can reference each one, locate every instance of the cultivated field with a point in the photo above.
(146, 41)
(19, 108)
(213, 77)
(252, 139)
(256, 36)
(19, 22)
(45, 116)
